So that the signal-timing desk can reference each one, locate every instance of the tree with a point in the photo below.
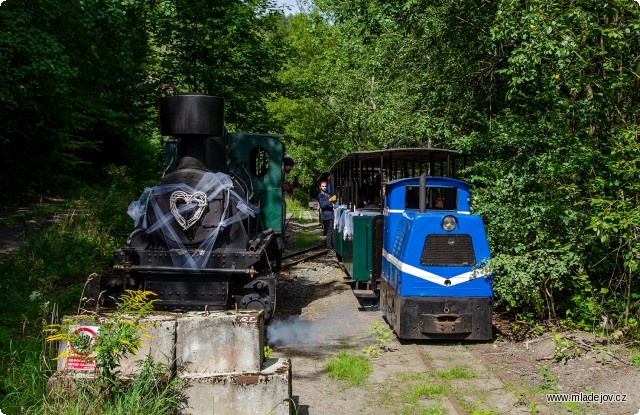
(73, 89)
(552, 161)
(224, 48)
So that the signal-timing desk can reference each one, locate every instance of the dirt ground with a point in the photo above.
(318, 316)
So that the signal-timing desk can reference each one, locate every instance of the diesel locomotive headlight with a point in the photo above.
(448, 223)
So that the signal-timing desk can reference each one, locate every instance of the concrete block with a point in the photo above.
(264, 393)
(70, 380)
(160, 345)
(215, 343)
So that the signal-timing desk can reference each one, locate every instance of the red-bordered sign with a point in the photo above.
(81, 352)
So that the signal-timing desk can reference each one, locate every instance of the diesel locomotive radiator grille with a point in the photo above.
(452, 250)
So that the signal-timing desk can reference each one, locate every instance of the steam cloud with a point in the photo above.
(298, 331)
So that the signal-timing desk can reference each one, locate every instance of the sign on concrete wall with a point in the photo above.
(82, 348)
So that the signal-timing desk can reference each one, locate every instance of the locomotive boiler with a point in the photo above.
(208, 235)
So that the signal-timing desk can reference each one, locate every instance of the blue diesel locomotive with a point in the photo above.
(421, 249)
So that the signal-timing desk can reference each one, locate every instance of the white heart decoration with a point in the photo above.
(200, 198)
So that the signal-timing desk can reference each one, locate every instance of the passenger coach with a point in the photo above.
(403, 230)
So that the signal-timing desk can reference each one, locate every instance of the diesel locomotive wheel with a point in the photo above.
(257, 301)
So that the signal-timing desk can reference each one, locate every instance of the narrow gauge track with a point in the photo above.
(302, 255)
(420, 351)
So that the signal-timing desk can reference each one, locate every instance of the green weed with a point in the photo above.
(352, 369)
(382, 335)
(456, 372)
(268, 352)
(307, 239)
(565, 349)
(548, 381)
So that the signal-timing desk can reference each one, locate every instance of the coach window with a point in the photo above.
(259, 162)
(437, 198)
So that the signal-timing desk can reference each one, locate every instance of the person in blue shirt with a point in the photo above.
(325, 203)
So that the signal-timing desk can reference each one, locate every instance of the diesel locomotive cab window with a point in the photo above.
(436, 198)
(448, 250)
(259, 162)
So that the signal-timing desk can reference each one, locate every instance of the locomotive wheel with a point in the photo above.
(112, 286)
(257, 301)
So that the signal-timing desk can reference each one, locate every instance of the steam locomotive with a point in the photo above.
(209, 234)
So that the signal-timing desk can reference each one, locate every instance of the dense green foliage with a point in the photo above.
(560, 159)
(43, 280)
(79, 81)
(544, 94)
(73, 92)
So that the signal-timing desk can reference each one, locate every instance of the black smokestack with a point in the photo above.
(198, 121)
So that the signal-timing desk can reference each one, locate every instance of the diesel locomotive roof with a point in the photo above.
(409, 154)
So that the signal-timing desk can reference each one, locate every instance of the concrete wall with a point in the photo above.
(218, 356)
(264, 393)
(226, 343)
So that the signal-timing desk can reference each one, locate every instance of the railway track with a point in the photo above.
(295, 257)
(470, 384)
(422, 353)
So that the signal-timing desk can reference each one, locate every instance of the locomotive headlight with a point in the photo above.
(448, 223)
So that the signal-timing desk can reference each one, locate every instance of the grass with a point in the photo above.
(39, 211)
(414, 396)
(300, 211)
(434, 409)
(44, 278)
(456, 372)
(22, 375)
(150, 393)
(417, 392)
(414, 393)
(353, 369)
(307, 239)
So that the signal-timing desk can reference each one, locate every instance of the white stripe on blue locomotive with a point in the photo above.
(410, 270)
